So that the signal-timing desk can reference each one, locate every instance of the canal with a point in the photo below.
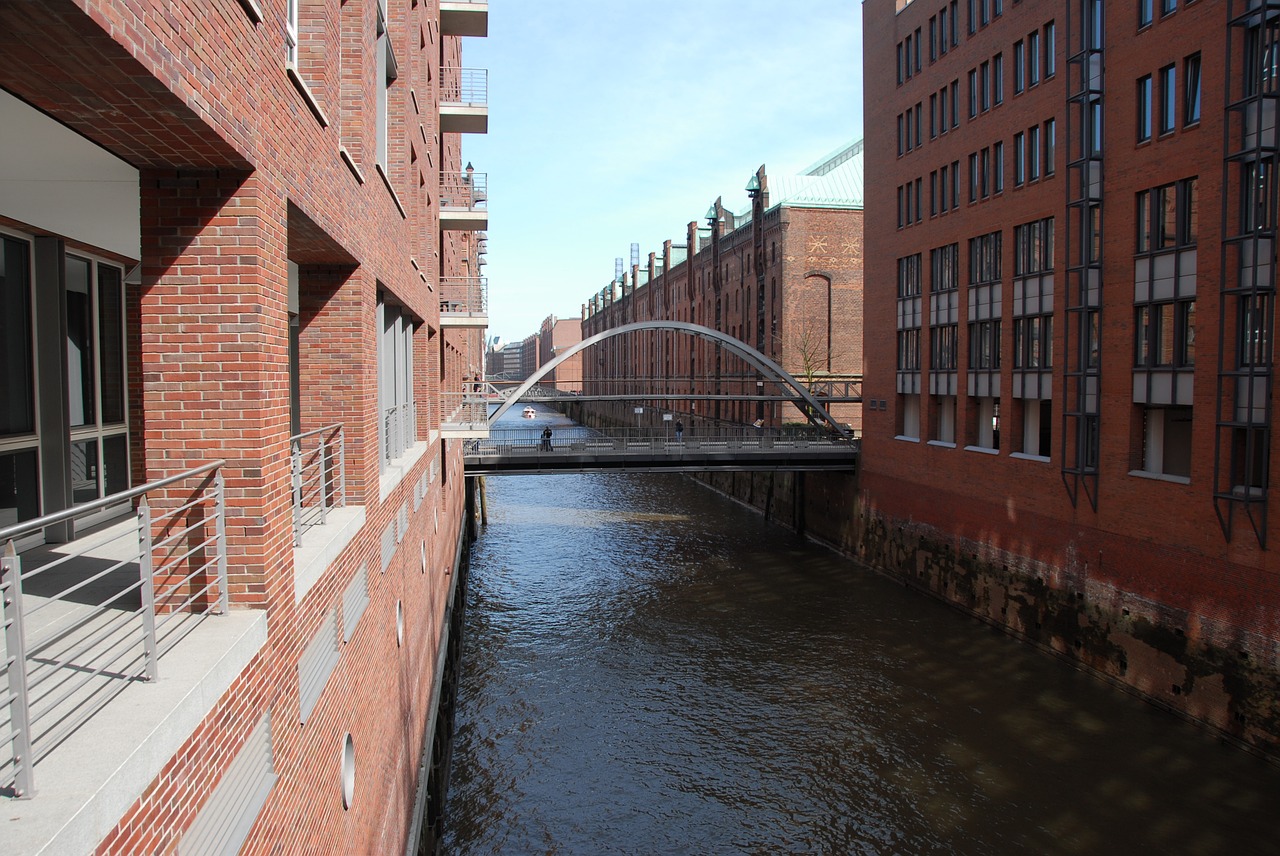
(650, 668)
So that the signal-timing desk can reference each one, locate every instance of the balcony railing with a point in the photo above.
(464, 411)
(464, 86)
(465, 191)
(85, 619)
(399, 426)
(467, 295)
(319, 465)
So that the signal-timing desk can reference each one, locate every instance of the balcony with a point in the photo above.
(464, 301)
(464, 17)
(116, 646)
(464, 201)
(464, 100)
(465, 415)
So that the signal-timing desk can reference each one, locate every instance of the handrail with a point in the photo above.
(26, 526)
(337, 426)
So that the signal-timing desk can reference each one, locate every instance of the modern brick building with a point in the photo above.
(1071, 240)
(240, 291)
(785, 277)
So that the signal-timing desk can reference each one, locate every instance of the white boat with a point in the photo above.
(529, 412)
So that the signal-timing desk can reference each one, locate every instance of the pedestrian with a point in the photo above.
(679, 431)
(546, 439)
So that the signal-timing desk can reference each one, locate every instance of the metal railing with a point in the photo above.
(83, 620)
(464, 409)
(319, 476)
(464, 191)
(400, 429)
(467, 295)
(469, 86)
(705, 438)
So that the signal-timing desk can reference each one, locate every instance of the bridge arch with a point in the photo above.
(765, 365)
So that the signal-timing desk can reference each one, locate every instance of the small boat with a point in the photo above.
(529, 412)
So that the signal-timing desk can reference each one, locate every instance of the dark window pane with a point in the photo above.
(79, 343)
(84, 471)
(17, 402)
(19, 487)
(115, 463)
(111, 336)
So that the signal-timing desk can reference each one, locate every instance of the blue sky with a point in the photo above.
(619, 121)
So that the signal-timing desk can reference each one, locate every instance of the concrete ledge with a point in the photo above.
(84, 787)
(321, 546)
(398, 469)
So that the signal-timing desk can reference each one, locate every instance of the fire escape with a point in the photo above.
(1083, 372)
(1242, 440)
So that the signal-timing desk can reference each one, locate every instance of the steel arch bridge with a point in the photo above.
(803, 399)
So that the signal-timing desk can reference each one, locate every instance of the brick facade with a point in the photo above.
(1115, 475)
(246, 166)
(785, 279)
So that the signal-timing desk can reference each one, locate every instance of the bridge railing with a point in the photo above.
(506, 441)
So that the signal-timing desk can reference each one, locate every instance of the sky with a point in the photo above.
(619, 121)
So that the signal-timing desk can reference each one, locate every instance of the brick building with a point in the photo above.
(784, 276)
(240, 295)
(555, 336)
(1069, 405)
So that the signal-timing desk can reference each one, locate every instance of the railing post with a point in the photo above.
(148, 589)
(220, 524)
(342, 468)
(324, 481)
(295, 456)
(16, 645)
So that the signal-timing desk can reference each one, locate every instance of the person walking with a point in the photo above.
(679, 431)
(546, 439)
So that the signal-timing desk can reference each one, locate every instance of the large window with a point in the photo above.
(397, 426)
(1191, 89)
(1144, 108)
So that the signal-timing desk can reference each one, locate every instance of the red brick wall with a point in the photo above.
(239, 175)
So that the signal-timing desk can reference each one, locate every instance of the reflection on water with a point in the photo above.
(649, 668)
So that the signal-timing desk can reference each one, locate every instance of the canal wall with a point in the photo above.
(1207, 671)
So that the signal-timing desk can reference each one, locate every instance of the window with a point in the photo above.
(973, 93)
(1168, 7)
(986, 172)
(900, 65)
(984, 345)
(901, 148)
(1033, 59)
(997, 79)
(1050, 50)
(1167, 216)
(1144, 12)
(997, 168)
(942, 347)
(397, 426)
(388, 71)
(984, 259)
(919, 122)
(945, 271)
(291, 32)
(973, 17)
(1019, 68)
(1019, 160)
(909, 276)
(1033, 153)
(1050, 145)
(955, 184)
(933, 38)
(942, 31)
(1255, 197)
(944, 418)
(1033, 247)
(973, 177)
(984, 73)
(933, 193)
(987, 435)
(955, 102)
(1164, 334)
(909, 350)
(1144, 108)
(1033, 342)
(945, 188)
(1255, 329)
(1191, 90)
(1037, 427)
(933, 115)
(1168, 98)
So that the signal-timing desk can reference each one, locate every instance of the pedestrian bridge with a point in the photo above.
(585, 450)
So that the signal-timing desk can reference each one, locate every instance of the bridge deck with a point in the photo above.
(583, 450)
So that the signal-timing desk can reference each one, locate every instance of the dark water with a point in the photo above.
(649, 668)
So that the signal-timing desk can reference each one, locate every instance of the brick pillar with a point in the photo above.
(213, 359)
